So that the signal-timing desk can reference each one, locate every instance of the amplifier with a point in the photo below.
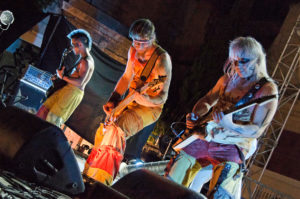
(37, 78)
(32, 89)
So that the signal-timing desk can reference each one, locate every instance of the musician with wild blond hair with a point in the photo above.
(227, 137)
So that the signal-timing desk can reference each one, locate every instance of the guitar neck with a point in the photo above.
(123, 104)
(130, 97)
(262, 100)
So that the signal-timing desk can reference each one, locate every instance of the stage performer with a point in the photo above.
(147, 63)
(227, 138)
(60, 105)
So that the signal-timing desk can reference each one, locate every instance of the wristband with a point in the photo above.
(115, 98)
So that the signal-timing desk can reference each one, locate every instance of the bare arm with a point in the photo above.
(123, 83)
(210, 99)
(121, 87)
(261, 117)
(83, 75)
(163, 67)
(204, 104)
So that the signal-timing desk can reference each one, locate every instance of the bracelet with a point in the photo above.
(115, 98)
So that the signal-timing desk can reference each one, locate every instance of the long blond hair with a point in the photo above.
(250, 48)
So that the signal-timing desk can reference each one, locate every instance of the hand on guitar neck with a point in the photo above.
(59, 74)
(194, 125)
(108, 107)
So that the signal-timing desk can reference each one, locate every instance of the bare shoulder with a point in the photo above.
(87, 64)
(90, 62)
(269, 88)
(222, 81)
(131, 49)
(164, 62)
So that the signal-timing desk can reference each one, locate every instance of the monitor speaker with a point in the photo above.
(28, 97)
(38, 151)
(146, 184)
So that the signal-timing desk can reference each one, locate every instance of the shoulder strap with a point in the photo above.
(151, 63)
(249, 95)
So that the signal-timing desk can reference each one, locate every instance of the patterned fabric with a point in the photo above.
(230, 188)
(214, 152)
(218, 148)
(110, 141)
(186, 167)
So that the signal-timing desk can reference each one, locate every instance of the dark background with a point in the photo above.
(196, 33)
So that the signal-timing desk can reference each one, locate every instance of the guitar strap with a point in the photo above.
(151, 63)
(250, 94)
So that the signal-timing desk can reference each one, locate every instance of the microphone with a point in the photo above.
(64, 55)
(67, 50)
(6, 18)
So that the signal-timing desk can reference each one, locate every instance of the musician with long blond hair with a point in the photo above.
(228, 138)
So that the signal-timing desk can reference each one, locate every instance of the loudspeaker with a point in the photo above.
(28, 96)
(147, 185)
(98, 190)
(38, 151)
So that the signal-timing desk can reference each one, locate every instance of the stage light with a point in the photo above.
(138, 163)
(6, 19)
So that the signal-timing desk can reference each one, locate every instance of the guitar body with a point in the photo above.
(70, 61)
(130, 98)
(57, 84)
(189, 135)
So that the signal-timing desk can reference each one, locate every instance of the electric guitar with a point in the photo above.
(70, 61)
(154, 85)
(187, 136)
